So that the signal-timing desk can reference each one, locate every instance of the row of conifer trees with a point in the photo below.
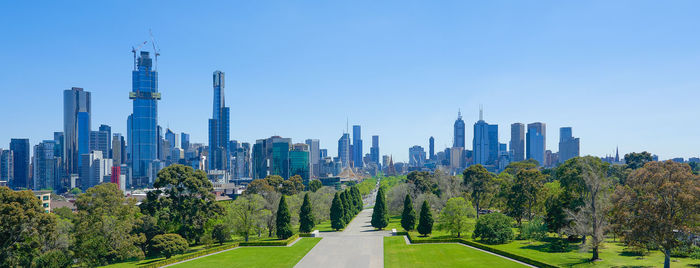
(345, 206)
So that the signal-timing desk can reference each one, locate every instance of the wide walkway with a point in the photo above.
(359, 245)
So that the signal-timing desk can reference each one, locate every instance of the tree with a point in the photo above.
(104, 225)
(147, 227)
(275, 181)
(258, 186)
(493, 228)
(347, 209)
(408, 216)
(358, 197)
(75, 191)
(660, 202)
(288, 188)
(479, 182)
(637, 160)
(169, 244)
(187, 199)
(314, 185)
(220, 233)
(284, 229)
(337, 213)
(24, 227)
(454, 217)
(425, 223)
(306, 216)
(535, 229)
(421, 181)
(379, 216)
(590, 218)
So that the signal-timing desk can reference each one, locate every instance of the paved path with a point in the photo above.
(359, 245)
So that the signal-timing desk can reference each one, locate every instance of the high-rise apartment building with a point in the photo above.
(219, 126)
(485, 142)
(459, 131)
(568, 145)
(517, 142)
(536, 141)
(357, 146)
(374, 151)
(76, 127)
(314, 157)
(142, 129)
(20, 154)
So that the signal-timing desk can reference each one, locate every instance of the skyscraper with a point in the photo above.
(184, 141)
(485, 142)
(431, 148)
(118, 149)
(100, 141)
(374, 151)
(299, 161)
(271, 157)
(517, 141)
(219, 126)
(46, 166)
(344, 150)
(459, 131)
(76, 127)
(536, 141)
(314, 157)
(108, 129)
(93, 169)
(416, 156)
(20, 154)
(7, 166)
(568, 145)
(357, 146)
(143, 127)
(172, 139)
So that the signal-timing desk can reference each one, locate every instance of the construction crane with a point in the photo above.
(156, 49)
(134, 50)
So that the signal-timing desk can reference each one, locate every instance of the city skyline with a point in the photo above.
(602, 125)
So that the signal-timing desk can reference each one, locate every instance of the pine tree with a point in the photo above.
(408, 217)
(337, 221)
(425, 224)
(358, 196)
(284, 229)
(346, 207)
(379, 215)
(306, 216)
(353, 201)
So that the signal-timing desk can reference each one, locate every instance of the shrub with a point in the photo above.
(535, 229)
(695, 254)
(493, 228)
(220, 233)
(169, 244)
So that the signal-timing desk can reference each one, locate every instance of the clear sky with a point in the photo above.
(619, 72)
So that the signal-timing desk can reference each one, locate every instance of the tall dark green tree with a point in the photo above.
(314, 185)
(425, 223)
(637, 160)
(408, 216)
(337, 214)
(306, 216)
(479, 182)
(380, 218)
(284, 228)
(346, 207)
(358, 197)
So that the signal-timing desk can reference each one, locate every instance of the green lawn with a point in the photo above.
(257, 256)
(398, 254)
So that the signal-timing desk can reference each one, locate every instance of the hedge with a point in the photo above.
(276, 243)
(483, 247)
(305, 235)
(188, 256)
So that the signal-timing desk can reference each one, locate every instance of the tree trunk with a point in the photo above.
(246, 237)
(667, 258)
(595, 253)
(583, 240)
(477, 209)
(458, 233)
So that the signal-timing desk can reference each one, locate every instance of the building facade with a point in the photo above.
(416, 156)
(357, 146)
(344, 150)
(485, 143)
(459, 131)
(76, 127)
(142, 129)
(20, 154)
(517, 142)
(536, 142)
(568, 145)
(219, 126)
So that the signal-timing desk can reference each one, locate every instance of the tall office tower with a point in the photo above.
(299, 161)
(374, 151)
(172, 139)
(459, 131)
(45, 166)
(93, 169)
(76, 127)
(118, 149)
(108, 129)
(184, 141)
(416, 156)
(20, 154)
(58, 137)
(485, 142)
(241, 158)
(143, 122)
(517, 141)
(7, 166)
(568, 145)
(100, 141)
(357, 146)
(314, 157)
(536, 141)
(219, 127)
(271, 157)
(322, 153)
(344, 150)
(431, 148)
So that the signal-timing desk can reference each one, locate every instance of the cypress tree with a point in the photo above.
(358, 197)
(408, 217)
(284, 229)
(337, 215)
(353, 201)
(425, 224)
(306, 217)
(346, 207)
(379, 215)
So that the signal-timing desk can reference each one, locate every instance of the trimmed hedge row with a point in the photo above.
(483, 247)
(276, 243)
(188, 256)
(305, 235)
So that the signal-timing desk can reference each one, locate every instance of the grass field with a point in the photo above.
(398, 254)
(256, 256)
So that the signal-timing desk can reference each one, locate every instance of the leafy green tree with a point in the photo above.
(258, 186)
(54, 258)
(147, 227)
(275, 181)
(24, 228)
(306, 216)
(408, 216)
(493, 228)
(514, 167)
(637, 160)
(659, 201)
(245, 214)
(64, 213)
(187, 201)
(425, 222)
(337, 213)
(284, 229)
(314, 185)
(535, 229)
(454, 217)
(422, 181)
(76, 191)
(169, 245)
(220, 233)
(104, 225)
(479, 183)
(380, 219)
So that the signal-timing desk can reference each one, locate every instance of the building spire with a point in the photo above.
(481, 112)
(459, 114)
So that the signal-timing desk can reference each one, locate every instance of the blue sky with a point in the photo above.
(619, 72)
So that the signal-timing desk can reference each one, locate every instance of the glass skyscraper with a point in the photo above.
(485, 142)
(20, 153)
(143, 122)
(219, 127)
(357, 146)
(459, 131)
(344, 150)
(568, 145)
(517, 142)
(536, 141)
(76, 127)
(374, 151)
